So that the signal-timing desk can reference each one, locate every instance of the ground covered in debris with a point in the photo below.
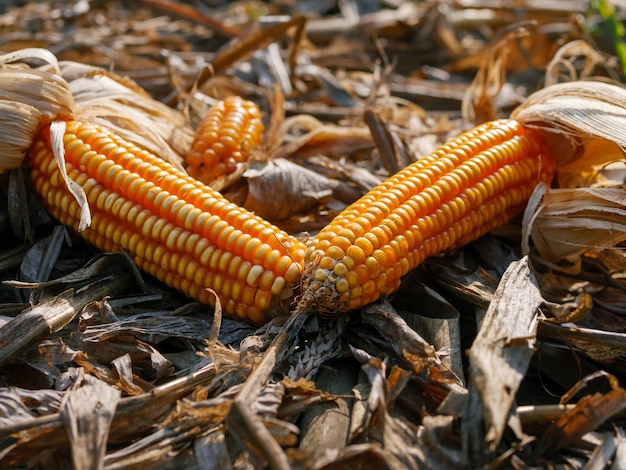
(488, 356)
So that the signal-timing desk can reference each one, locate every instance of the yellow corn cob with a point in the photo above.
(230, 129)
(467, 187)
(176, 228)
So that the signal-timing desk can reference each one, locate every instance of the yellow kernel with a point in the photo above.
(278, 285)
(247, 295)
(293, 274)
(320, 275)
(340, 269)
(267, 278)
(244, 269)
(342, 285)
(341, 242)
(348, 262)
(335, 252)
(253, 314)
(254, 275)
(327, 262)
(262, 299)
(365, 245)
(357, 253)
(363, 273)
(373, 266)
(352, 279)
(369, 288)
(356, 292)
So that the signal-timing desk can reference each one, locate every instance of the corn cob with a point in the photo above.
(176, 228)
(467, 187)
(229, 131)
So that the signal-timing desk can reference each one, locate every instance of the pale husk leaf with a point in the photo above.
(57, 132)
(29, 99)
(584, 123)
(572, 221)
(132, 114)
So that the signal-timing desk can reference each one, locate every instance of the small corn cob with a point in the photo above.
(176, 228)
(231, 128)
(467, 187)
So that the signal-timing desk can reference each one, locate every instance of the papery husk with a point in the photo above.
(584, 123)
(121, 106)
(29, 99)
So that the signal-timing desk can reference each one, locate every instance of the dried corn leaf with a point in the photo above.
(602, 346)
(499, 358)
(87, 413)
(589, 413)
(278, 189)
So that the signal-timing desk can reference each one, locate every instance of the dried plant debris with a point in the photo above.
(508, 353)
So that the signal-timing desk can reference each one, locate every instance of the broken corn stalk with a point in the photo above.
(176, 228)
(462, 190)
(230, 130)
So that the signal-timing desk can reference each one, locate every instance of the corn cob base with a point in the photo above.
(467, 187)
(176, 228)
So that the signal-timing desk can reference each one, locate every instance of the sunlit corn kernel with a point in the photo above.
(340, 269)
(327, 262)
(278, 285)
(283, 264)
(353, 279)
(335, 252)
(341, 242)
(266, 280)
(357, 253)
(293, 273)
(381, 281)
(254, 275)
(320, 275)
(260, 253)
(271, 259)
(348, 262)
(244, 269)
(347, 234)
(373, 266)
(342, 285)
(363, 273)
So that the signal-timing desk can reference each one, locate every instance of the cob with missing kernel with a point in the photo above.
(176, 228)
(467, 187)
(227, 134)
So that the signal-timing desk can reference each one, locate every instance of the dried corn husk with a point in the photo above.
(120, 105)
(584, 122)
(29, 98)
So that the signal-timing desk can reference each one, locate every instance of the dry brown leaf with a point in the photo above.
(87, 413)
(278, 189)
(589, 413)
(499, 358)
